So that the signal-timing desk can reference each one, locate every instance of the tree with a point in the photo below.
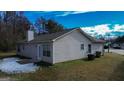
(48, 26)
(40, 25)
(13, 29)
(51, 26)
(120, 39)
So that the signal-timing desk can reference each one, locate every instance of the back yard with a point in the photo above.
(7, 54)
(108, 67)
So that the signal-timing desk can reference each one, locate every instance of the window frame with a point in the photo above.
(82, 46)
(46, 51)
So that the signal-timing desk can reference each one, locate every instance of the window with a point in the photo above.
(89, 48)
(39, 51)
(82, 46)
(46, 50)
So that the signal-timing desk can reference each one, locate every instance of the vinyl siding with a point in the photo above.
(32, 51)
(63, 49)
(98, 47)
(69, 47)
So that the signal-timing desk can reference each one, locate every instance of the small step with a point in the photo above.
(25, 61)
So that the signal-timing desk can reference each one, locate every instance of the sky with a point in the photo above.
(96, 23)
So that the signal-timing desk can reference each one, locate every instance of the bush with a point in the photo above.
(98, 54)
(105, 47)
(91, 56)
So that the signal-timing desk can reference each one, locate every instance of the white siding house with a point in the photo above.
(118, 45)
(122, 45)
(60, 47)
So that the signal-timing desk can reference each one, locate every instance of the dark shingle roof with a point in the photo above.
(50, 37)
(45, 37)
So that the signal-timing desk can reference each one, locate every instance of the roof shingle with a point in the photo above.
(51, 37)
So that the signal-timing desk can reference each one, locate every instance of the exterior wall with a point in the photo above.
(63, 49)
(69, 47)
(30, 35)
(122, 46)
(98, 47)
(45, 58)
(28, 50)
(33, 51)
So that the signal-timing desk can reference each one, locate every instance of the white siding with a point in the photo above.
(33, 51)
(30, 35)
(122, 45)
(69, 47)
(63, 49)
(98, 47)
(48, 59)
(28, 50)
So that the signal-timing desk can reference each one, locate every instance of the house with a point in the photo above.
(60, 46)
(119, 45)
(122, 45)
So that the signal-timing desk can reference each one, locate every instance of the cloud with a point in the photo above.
(78, 12)
(71, 12)
(64, 14)
(99, 29)
(118, 28)
(105, 30)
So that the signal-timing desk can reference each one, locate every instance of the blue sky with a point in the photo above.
(94, 23)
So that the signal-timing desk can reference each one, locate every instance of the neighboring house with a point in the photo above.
(122, 45)
(118, 45)
(60, 46)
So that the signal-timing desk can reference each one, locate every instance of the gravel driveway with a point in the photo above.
(118, 51)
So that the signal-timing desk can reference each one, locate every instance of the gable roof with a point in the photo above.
(54, 36)
(92, 39)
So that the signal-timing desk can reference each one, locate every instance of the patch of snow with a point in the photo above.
(10, 65)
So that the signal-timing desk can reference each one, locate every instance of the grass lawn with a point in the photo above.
(7, 54)
(108, 67)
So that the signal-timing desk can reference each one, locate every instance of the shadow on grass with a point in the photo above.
(43, 64)
(91, 59)
(22, 57)
(85, 59)
(88, 60)
(118, 73)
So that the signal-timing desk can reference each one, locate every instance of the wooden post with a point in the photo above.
(108, 43)
(108, 48)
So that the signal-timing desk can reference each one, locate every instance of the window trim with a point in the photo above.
(46, 51)
(82, 46)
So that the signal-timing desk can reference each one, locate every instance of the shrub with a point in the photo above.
(91, 56)
(98, 54)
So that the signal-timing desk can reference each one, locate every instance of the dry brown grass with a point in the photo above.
(7, 54)
(108, 67)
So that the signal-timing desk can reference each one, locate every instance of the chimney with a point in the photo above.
(30, 35)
